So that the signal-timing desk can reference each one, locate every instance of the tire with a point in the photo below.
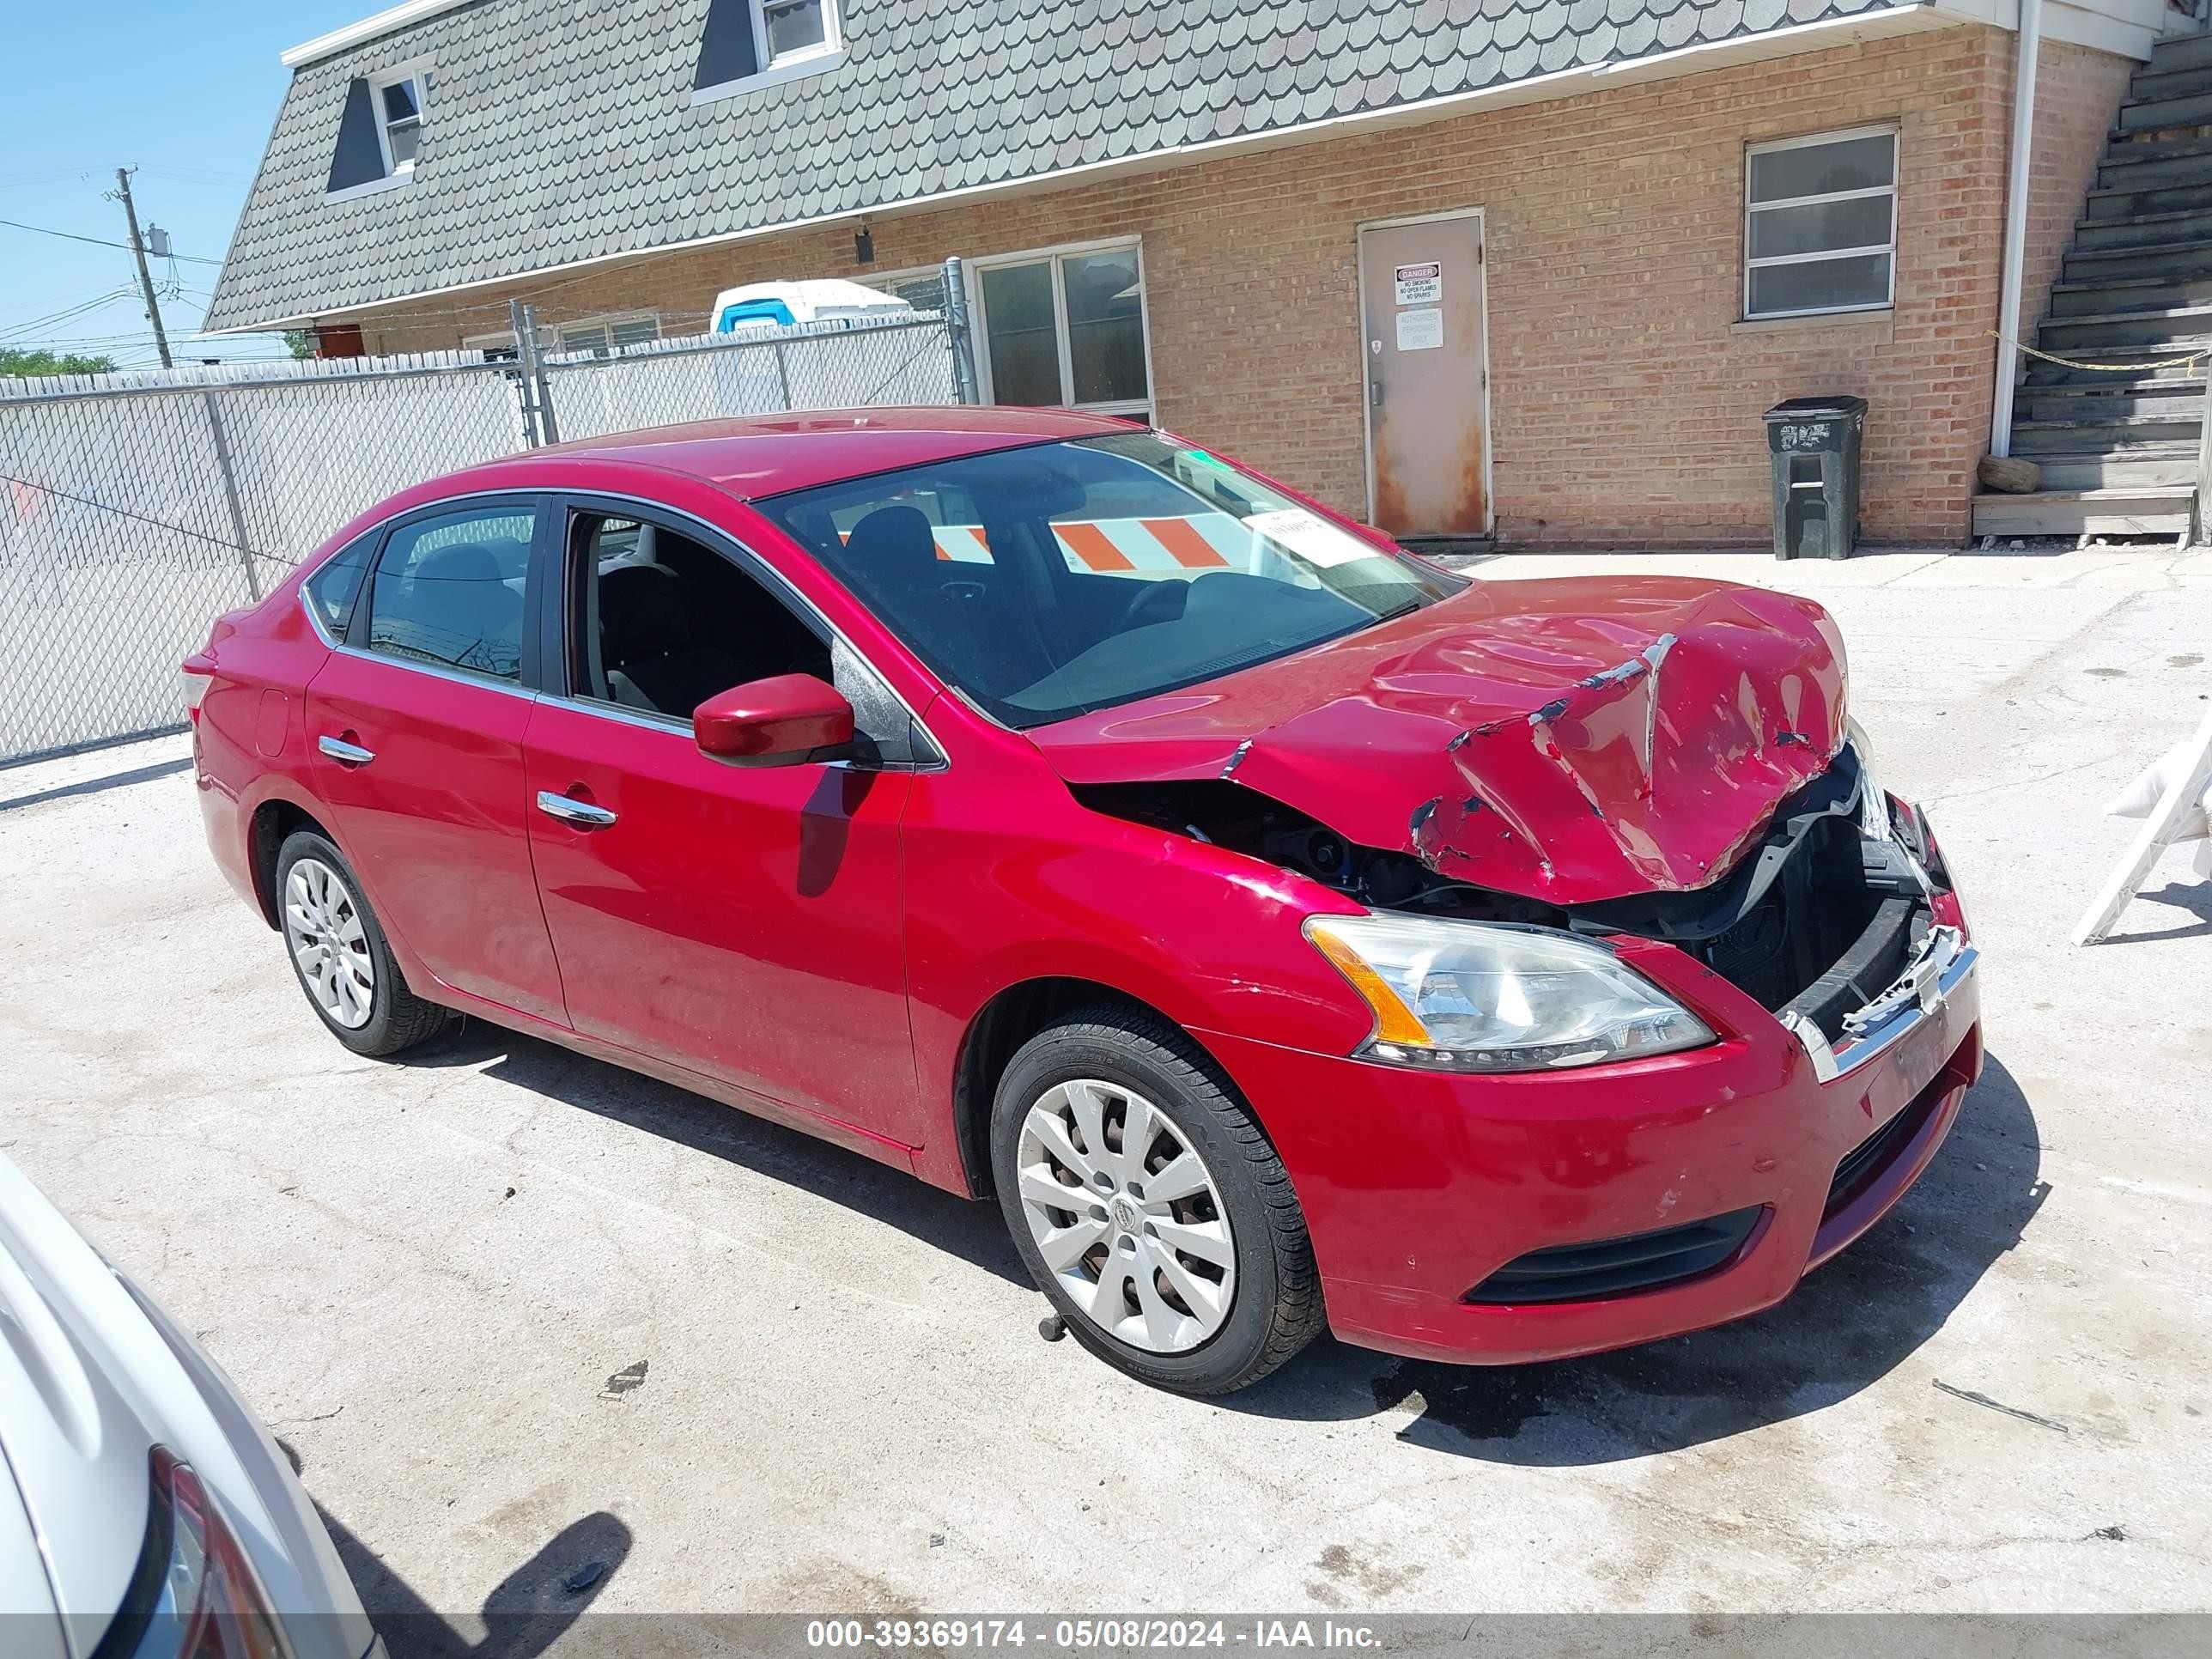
(1265, 1274)
(324, 918)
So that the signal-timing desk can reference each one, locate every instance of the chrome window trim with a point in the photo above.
(797, 601)
(458, 675)
(1830, 1062)
(315, 617)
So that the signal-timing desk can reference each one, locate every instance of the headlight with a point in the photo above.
(1873, 804)
(1487, 997)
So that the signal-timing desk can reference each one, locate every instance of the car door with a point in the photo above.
(746, 923)
(417, 722)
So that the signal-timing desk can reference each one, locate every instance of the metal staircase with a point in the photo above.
(2119, 446)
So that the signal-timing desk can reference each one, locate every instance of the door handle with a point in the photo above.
(567, 808)
(346, 754)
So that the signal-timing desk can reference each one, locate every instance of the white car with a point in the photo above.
(787, 304)
(149, 1516)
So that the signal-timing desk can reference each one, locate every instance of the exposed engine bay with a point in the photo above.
(1820, 914)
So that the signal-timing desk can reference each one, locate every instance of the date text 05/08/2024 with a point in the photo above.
(1085, 1634)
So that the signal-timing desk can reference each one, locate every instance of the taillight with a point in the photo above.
(194, 1595)
(197, 674)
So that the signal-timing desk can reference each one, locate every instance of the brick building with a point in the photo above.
(1527, 268)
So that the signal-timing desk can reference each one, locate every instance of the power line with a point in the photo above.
(158, 524)
(100, 241)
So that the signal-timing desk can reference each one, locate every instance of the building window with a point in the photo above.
(600, 336)
(399, 119)
(756, 43)
(1821, 224)
(1066, 327)
(380, 132)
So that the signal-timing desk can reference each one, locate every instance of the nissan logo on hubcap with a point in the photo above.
(1126, 1214)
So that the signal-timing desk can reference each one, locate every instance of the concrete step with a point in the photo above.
(2161, 81)
(2083, 513)
(2142, 229)
(2148, 262)
(2185, 328)
(2112, 295)
(2183, 400)
(2191, 109)
(2173, 469)
(2123, 203)
(2181, 52)
(2134, 167)
(2119, 439)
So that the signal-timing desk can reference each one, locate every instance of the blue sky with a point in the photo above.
(186, 95)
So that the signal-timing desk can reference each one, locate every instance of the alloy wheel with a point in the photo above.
(323, 929)
(1127, 1216)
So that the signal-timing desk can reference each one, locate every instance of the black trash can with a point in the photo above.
(1813, 444)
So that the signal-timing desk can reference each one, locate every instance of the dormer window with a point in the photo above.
(749, 43)
(399, 113)
(380, 133)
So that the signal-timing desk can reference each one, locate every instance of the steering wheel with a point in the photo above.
(1156, 594)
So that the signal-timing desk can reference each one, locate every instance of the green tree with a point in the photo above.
(14, 362)
(301, 342)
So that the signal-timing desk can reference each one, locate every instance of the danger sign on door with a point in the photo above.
(1421, 285)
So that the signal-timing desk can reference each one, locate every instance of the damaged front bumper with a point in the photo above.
(1939, 965)
(1503, 1218)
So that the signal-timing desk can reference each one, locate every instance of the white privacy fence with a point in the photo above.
(136, 508)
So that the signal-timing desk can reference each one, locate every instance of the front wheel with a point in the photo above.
(1149, 1207)
(340, 956)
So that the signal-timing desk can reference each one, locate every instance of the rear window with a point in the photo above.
(333, 588)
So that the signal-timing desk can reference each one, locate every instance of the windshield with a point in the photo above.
(1058, 579)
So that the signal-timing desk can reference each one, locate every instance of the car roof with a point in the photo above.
(758, 455)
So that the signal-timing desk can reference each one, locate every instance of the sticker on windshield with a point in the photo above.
(1314, 540)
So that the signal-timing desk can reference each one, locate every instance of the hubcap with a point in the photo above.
(1127, 1216)
(322, 927)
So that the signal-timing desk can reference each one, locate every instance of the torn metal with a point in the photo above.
(1568, 741)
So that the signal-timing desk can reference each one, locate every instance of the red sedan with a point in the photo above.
(1288, 933)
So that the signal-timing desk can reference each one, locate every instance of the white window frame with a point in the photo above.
(972, 272)
(418, 71)
(549, 334)
(1890, 189)
(792, 65)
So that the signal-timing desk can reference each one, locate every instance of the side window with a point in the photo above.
(448, 591)
(663, 623)
(334, 587)
(667, 622)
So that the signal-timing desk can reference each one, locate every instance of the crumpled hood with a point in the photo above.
(1570, 740)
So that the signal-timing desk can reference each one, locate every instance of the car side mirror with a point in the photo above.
(786, 720)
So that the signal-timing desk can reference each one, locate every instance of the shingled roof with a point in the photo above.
(557, 131)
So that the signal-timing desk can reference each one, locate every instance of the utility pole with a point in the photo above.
(145, 276)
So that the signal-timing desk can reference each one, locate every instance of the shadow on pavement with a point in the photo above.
(99, 786)
(960, 1227)
(526, 1613)
(2191, 898)
(1845, 1327)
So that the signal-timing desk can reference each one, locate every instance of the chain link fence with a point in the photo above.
(836, 365)
(138, 506)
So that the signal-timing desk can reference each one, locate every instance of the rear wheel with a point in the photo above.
(340, 956)
(1149, 1207)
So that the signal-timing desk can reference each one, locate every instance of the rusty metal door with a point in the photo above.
(1421, 311)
